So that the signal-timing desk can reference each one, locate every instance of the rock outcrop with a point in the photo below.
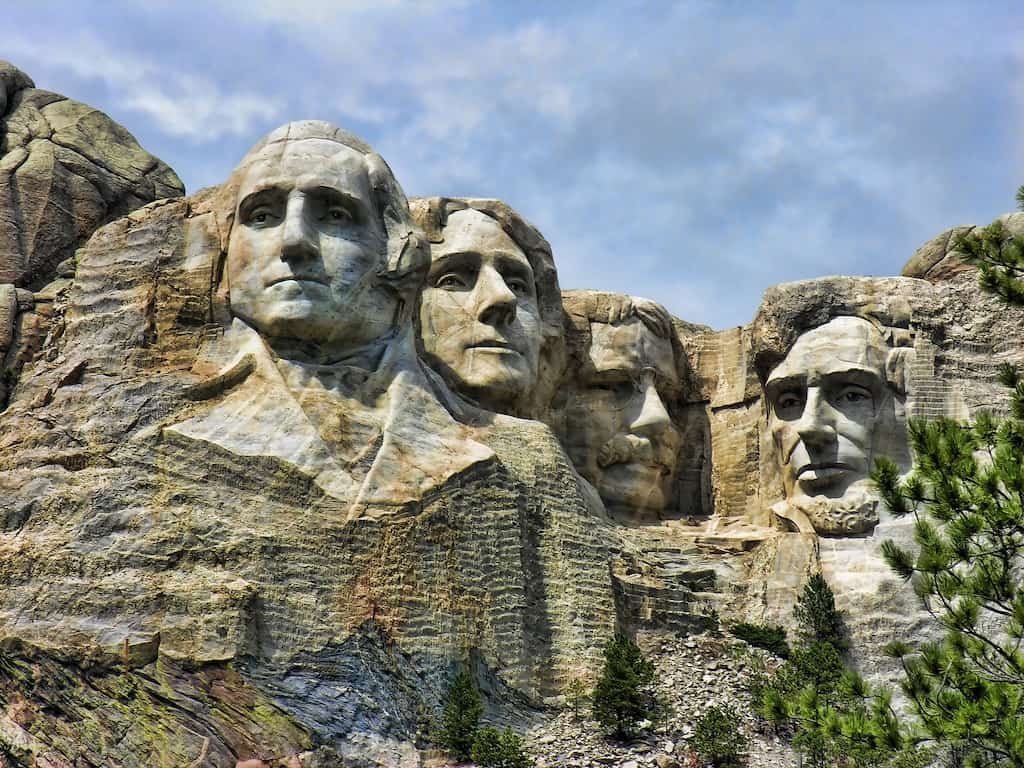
(279, 458)
(65, 169)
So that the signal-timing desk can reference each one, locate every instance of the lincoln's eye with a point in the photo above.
(851, 395)
(339, 215)
(788, 401)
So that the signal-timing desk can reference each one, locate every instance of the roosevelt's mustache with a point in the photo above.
(626, 449)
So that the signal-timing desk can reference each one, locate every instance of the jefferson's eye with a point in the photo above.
(519, 287)
(451, 281)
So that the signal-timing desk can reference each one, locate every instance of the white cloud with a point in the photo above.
(182, 104)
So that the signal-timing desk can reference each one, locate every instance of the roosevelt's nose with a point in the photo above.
(299, 241)
(496, 303)
(652, 416)
(816, 425)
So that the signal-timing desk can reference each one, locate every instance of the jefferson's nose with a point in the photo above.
(298, 239)
(653, 415)
(496, 303)
(816, 425)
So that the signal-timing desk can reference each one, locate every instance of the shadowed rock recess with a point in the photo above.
(280, 458)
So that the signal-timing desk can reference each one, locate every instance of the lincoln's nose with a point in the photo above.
(816, 425)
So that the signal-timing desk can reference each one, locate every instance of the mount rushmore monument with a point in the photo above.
(277, 459)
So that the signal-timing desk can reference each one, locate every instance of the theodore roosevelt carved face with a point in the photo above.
(830, 406)
(618, 428)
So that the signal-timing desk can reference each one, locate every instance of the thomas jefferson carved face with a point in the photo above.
(826, 399)
(618, 429)
(305, 248)
(479, 317)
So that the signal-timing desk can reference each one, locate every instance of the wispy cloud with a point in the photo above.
(184, 104)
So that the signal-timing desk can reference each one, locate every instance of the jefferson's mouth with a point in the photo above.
(298, 279)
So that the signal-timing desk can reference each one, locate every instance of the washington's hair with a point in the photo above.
(406, 258)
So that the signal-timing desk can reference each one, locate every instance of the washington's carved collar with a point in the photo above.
(353, 429)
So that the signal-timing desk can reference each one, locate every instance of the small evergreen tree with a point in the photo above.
(619, 699)
(499, 749)
(576, 693)
(462, 711)
(999, 257)
(771, 638)
(717, 739)
(816, 614)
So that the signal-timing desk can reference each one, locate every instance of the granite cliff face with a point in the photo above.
(280, 457)
(65, 169)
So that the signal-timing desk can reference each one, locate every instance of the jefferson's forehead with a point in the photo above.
(843, 344)
(306, 163)
(630, 346)
(470, 231)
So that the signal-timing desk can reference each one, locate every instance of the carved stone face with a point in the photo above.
(479, 318)
(305, 246)
(825, 399)
(618, 429)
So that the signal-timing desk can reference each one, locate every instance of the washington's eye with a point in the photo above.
(261, 216)
(339, 215)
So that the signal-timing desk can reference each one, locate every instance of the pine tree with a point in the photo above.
(462, 712)
(499, 749)
(999, 256)
(619, 699)
(966, 494)
(816, 614)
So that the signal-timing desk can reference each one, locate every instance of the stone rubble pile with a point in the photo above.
(693, 673)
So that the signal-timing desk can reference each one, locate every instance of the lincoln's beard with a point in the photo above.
(855, 512)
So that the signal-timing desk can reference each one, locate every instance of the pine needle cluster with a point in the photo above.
(999, 256)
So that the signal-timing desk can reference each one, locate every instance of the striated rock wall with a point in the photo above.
(227, 535)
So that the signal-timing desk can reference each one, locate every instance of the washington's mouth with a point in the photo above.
(493, 345)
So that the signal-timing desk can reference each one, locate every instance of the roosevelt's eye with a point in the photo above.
(620, 389)
(338, 215)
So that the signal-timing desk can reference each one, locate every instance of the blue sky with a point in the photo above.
(693, 152)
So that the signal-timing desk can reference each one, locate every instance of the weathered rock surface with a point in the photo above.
(230, 537)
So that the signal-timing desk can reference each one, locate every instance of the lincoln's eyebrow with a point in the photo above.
(514, 265)
(786, 383)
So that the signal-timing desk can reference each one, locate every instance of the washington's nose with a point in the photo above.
(653, 415)
(298, 240)
(496, 303)
(816, 424)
